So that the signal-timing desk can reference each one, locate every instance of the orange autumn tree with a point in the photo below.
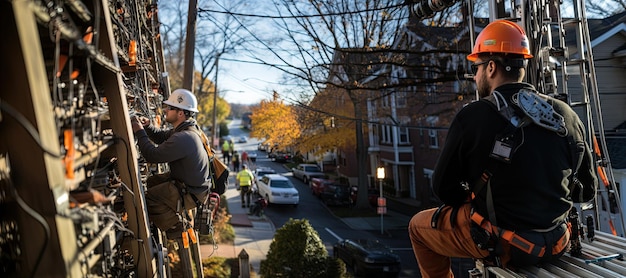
(326, 123)
(275, 122)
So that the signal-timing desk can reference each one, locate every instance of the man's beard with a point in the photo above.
(170, 119)
(483, 87)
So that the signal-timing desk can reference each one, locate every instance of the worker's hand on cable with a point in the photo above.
(139, 122)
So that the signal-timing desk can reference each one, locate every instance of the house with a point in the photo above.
(427, 91)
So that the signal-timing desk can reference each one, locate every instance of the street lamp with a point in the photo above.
(382, 204)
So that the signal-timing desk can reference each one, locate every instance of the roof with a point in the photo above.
(276, 177)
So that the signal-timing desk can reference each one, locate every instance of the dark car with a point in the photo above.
(281, 157)
(368, 258)
(372, 195)
(318, 184)
(334, 194)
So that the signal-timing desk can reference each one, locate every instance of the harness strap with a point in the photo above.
(518, 241)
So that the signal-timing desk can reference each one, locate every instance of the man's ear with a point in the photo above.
(491, 68)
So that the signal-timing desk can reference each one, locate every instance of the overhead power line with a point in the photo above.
(202, 10)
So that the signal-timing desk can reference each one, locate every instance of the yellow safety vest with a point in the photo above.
(245, 178)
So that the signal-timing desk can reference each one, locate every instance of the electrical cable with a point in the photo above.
(209, 11)
(21, 119)
(127, 147)
(35, 215)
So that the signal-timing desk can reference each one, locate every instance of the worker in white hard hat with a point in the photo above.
(183, 149)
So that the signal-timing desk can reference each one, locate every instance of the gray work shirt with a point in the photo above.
(182, 149)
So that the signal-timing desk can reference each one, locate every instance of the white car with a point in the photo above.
(262, 171)
(277, 189)
(306, 172)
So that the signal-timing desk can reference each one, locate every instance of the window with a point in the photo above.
(404, 135)
(401, 99)
(387, 134)
(281, 184)
(432, 135)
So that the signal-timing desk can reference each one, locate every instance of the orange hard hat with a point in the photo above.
(501, 36)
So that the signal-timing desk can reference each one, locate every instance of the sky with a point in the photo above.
(246, 83)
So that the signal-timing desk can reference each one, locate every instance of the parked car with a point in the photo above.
(307, 171)
(334, 194)
(262, 171)
(258, 174)
(368, 258)
(281, 156)
(372, 195)
(263, 147)
(318, 184)
(277, 189)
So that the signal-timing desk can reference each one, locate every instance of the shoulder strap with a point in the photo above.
(205, 140)
(209, 152)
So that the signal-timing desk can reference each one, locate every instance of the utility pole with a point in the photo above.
(214, 127)
(190, 45)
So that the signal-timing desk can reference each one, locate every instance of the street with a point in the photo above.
(330, 228)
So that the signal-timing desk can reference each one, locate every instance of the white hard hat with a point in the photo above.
(183, 99)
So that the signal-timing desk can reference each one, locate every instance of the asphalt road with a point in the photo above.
(330, 228)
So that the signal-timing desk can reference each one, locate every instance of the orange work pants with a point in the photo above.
(433, 247)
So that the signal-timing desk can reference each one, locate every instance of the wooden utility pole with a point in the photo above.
(190, 45)
(214, 127)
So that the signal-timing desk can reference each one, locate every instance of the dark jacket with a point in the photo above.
(533, 190)
(182, 149)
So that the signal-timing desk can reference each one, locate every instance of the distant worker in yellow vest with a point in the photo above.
(245, 178)
(226, 151)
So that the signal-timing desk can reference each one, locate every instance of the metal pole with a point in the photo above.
(381, 213)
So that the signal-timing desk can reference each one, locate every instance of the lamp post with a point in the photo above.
(382, 204)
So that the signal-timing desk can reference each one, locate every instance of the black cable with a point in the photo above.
(21, 119)
(35, 215)
(209, 11)
(127, 147)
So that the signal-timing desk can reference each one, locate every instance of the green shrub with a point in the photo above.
(216, 267)
(297, 251)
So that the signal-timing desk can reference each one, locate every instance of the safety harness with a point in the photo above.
(535, 109)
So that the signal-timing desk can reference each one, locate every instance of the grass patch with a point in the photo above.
(344, 212)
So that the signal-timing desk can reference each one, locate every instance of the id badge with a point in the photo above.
(502, 149)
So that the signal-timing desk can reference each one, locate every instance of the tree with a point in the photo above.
(276, 122)
(323, 131)
(297, 251)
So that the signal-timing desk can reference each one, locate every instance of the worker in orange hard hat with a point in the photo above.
(512, 166)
